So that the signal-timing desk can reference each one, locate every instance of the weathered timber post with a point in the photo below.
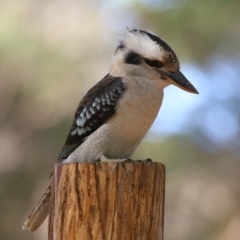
(107, 201)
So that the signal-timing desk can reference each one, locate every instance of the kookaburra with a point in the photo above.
(115, 114)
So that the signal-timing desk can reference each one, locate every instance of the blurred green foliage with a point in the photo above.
(207, 28)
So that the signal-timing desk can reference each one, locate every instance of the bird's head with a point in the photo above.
(144, 54)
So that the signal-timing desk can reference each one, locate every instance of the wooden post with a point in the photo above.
(107, 201)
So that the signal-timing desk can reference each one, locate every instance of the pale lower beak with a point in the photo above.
(179, 80)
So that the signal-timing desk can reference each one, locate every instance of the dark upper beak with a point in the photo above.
(178, 79)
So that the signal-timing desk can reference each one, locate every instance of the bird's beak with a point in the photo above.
(179, 80)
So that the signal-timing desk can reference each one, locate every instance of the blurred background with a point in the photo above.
(52, 52)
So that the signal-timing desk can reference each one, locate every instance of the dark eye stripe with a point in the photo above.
(133, 58)
(153, 63)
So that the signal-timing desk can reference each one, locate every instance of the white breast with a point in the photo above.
(122, 133)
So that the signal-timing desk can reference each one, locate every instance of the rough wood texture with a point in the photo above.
(107, 201)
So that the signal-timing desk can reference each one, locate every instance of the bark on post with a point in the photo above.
(107, 201)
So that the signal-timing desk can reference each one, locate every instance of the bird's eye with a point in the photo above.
(133, 58)
(153, 63)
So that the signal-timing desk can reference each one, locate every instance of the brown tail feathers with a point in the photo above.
(39, 213)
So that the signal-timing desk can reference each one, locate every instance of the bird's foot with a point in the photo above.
(102, 158)
(145, 160)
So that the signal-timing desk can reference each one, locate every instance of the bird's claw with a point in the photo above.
(102, 158)
(128, 160)
(145, 160)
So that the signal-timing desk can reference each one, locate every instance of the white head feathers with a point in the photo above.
(146, 44)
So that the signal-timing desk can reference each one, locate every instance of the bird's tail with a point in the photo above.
(39, 213)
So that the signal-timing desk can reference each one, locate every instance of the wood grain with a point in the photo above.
(107, 201)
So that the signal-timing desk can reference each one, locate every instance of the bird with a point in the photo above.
(115, 114)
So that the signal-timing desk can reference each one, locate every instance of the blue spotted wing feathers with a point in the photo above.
(97, 106)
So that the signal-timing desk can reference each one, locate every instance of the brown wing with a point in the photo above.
(97, 106)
